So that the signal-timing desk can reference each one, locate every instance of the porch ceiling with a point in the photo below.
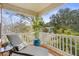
(32, 8)
(36, 7)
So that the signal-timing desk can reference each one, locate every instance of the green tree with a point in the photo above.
(65, 19)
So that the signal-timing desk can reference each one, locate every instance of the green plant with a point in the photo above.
(37, 25)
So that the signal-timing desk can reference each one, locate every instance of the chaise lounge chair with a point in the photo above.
(21, 49)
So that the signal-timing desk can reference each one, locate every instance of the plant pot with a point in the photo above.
(37, 42)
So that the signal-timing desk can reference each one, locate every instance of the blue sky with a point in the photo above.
(67, 5)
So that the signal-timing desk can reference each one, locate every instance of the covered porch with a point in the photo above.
(57, 44)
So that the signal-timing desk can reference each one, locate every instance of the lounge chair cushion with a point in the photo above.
(16, 41)
(33, 50)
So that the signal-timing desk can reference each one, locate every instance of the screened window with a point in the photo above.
(12, 22)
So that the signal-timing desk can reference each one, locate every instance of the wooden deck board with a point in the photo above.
(53, 51)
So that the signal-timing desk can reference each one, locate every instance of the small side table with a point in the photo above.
(4, 51)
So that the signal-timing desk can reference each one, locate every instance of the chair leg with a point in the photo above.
(10, 52)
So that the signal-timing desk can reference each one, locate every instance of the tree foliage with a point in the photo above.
(65, 21)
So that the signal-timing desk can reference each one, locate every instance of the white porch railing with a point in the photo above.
(68, 44)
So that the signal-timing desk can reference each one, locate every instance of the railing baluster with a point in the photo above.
(60, 41)
(49, 39)
(28, 39)
(57, 40)
(54, 41)
(66, 44)
(75, 46)
(71, 45)
(63, 42)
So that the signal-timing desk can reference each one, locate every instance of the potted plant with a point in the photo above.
(37, 25)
